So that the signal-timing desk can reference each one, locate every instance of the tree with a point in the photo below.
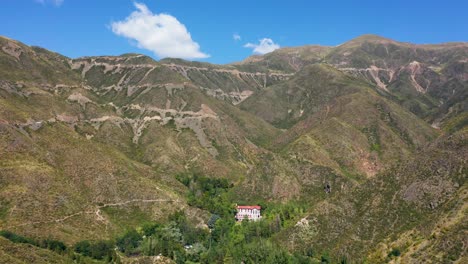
(129, 241)
(101, 249)
(83, 247)
(212, 221)
(55, 245)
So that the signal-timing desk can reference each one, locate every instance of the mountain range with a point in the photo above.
(93, 146)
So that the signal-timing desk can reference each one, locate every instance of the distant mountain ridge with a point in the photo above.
(426, 79)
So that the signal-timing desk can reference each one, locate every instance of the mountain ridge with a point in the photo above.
(98, 145)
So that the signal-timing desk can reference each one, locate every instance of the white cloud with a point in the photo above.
(54, 2)
(161, 33)
(236, 37)
(264, 46)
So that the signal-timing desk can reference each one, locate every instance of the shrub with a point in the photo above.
(83, 247)
(300, 259)
(18, 238)
(51, 244)
(150, 229)
(394, 253)
(55, 245)
(184, 179)
(101, 249)
(325, 259)
(212, 221)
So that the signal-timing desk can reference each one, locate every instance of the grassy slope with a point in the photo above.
(338, 121)
(418, 207)
(11, 253)
(54, 173)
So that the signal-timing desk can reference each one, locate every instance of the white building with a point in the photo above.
(249, 212)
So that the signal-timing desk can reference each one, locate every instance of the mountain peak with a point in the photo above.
(7, 38)
(368, 38)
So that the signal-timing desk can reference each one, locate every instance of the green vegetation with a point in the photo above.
(18, 238)
(99, 250)
(51, 244)
(373, 137)
(129, 242)
(208, 193)
(249, 242)
(180, 240)
(394, 253)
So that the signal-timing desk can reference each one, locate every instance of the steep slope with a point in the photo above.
(19, 62)
(305, 94)
(56, 182)
(338, 121)
(11, 253)
(417, 208)
(193, 125)
(98, 147)
(423, 78)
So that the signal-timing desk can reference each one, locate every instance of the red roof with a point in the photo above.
(249, 207)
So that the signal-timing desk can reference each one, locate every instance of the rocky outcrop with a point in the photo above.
(13, 49)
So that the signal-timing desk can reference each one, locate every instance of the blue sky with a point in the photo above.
(204, 30)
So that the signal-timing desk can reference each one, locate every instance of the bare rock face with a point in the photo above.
(13, 49)
(79, 98)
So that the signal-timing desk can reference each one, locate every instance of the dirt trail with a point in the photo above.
(96, 211)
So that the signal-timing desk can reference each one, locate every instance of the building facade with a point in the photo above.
(248, 212)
